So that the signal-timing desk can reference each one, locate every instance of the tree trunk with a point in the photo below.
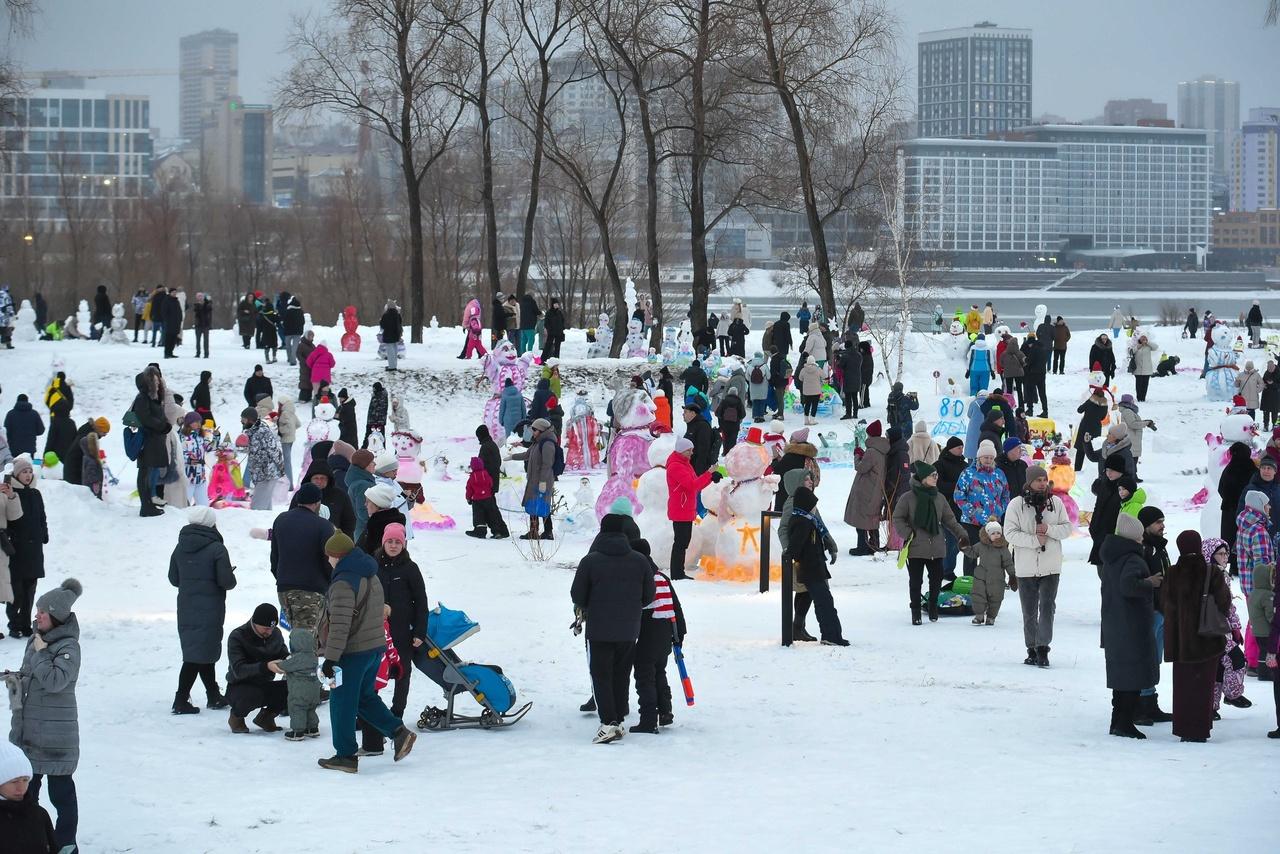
(535, 179)
(486, 164)
(697, 175)
(620, 313)
(651, 212)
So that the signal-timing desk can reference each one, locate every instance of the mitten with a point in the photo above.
(327, 668)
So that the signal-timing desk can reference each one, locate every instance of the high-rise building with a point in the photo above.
(973, 81)
(1212, 104)
(208, 65)
(73, 153)
(1093, 192)
(1255, 161)
(236, 151)
(1131, 111)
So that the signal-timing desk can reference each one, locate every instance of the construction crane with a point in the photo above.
(47, 77)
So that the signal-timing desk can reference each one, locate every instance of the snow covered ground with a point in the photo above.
(928, 738)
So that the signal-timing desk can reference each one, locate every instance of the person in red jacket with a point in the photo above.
(683, 485)
(484, 504)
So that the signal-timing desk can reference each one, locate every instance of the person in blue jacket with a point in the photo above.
(511, 409)
(974, 431)
(803, 316)
(981, 370)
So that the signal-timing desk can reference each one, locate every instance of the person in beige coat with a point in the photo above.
(10, 509)
(287, 426)
(176, 492)
(921, 447)
(1035, 524)
(1249, 383)
(1144, 363)
(864, 509)
(811, 378)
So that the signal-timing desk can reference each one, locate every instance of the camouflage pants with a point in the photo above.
(302, 609)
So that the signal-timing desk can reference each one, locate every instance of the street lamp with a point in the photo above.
(28, 239)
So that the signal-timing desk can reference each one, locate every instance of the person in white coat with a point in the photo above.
(1117, 322)
(1035, 524)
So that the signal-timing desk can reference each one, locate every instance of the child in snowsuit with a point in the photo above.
(653, 647)
(1230, 681)
(91, 463)
(195, 447)
(993, 572)
(484, 505)
(304, 686)
(1262, 609)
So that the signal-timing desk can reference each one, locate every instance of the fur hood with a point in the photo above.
(987, 540)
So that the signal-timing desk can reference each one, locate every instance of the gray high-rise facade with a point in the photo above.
(208, 68)
(1212, 104)
(973, 81)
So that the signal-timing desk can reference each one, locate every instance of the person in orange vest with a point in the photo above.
(662, 410)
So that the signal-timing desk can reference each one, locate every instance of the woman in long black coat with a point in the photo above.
(868, 371)
(62, 430)
(1231, 485)
(29, 534)
(1128, 620)
(201, 569)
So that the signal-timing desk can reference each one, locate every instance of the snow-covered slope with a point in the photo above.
(928, 738)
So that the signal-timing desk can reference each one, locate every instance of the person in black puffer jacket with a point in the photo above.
(24, 825)
(950, 465)
(333, 497)
(698, 430)
(148, 409)
(22, 426)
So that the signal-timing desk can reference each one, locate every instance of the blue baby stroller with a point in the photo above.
(446, 629)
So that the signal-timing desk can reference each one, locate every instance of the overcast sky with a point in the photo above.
(1086, 51)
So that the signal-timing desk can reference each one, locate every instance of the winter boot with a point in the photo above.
(834, 642)
(803, 602)
(1275, 733)
(182, 706)
(403, 740)
(979, 620)
(371, 749)
(1124, 727)
(862, 548)
(589, 706)
(215, 700)
(237, 724)
(533, 529)
(1241, 702)
(349, 764)
(1031, 658)
(295, 735)
(648, 724)
(800, 633)
(666, 719)
(479, 532)
(546, 532)
(266, 721)
(1042, 656)
(1264, 673)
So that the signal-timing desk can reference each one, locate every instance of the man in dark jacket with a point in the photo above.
(612, 586)
(148, 409)
(850, 359)
(490, 455)
(529, 314)
(554, 324)
(392, 326)
(1011, 462)
(292, 320)
(695, 377)
(254, 653)
(782, 333)
(498, 321)
(101, 308)
(298, 561)
(698, 430)
(1037, 355)
(257, 384)
(1155, 551)
(950, 465)
(203, 313)
(341, 515)
(171, 316)
(22, 425)
(993, 428)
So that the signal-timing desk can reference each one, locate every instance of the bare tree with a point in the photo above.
(832, 65)
(1273, 13)
(395, 65)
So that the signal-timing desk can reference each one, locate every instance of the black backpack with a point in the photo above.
(757, 375)
(557, 465)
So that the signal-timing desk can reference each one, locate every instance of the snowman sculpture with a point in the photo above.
(25, 323)
(119, 326)
(321, 428)
(637, 347)
(599, 348)
(750, 491)
(1231, 429)
(407, 445)
(668, 344)
(500, 364)
(1042, 311)
(581, 435)
(651, 489)
(633, 410)
(83, 318)
(684, 342)
(1223, 366)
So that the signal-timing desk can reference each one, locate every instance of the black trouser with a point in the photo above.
(683, 532)
(811, 402)
(244, 337)
(1059, 365)
(138, 324)
(187, 679)
(851, 402)
(1275, 684)
(800, 608)
(145, 491)
(1140, 383)
(611, 663)
(552, 348)
(62, 793)
(371, 739)
(202, 336)
(971, 532)
(652, 650)
(1124, 707)
(780, 398)
(866, 395)
(739, 347)
(1014, 385)
(485, 512)
(824, 608)
(723, 341)
(1034, 385)
(19, 610)
(1269, 418)
(916, 567)
(728, 435)
(170, 341)
(245, 697)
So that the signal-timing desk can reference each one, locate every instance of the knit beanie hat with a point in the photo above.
(265, 615)
(13, 763)
(954, 442)
(205, 516)
(1129, 527)
(361, 459)
(921, 469)
(622, 506)
(339, 545)
(1270, 462)
(1189, 543)
(1115, 462)
(986, 450)
(993, 528)
(893, 434)
(801, 435)
(101, 426)
(1035, 473)
(57, 603)
(1011, 443)
(874, 429)
(342, 449)
(611, 524)
(192, 418)
(309, 493)
(21, 463)
(385, 463)
(540, 425)
(1148, 516)
(249, 414)
(394, 531)
(380, 495)
(642, 545)
(1255, 499)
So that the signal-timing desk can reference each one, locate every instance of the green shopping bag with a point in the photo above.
(903, 552)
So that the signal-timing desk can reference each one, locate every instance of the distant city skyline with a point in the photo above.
(1100, 51)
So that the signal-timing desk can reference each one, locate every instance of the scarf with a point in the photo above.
(1037, 501)
(817, 522)
(926, 515)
